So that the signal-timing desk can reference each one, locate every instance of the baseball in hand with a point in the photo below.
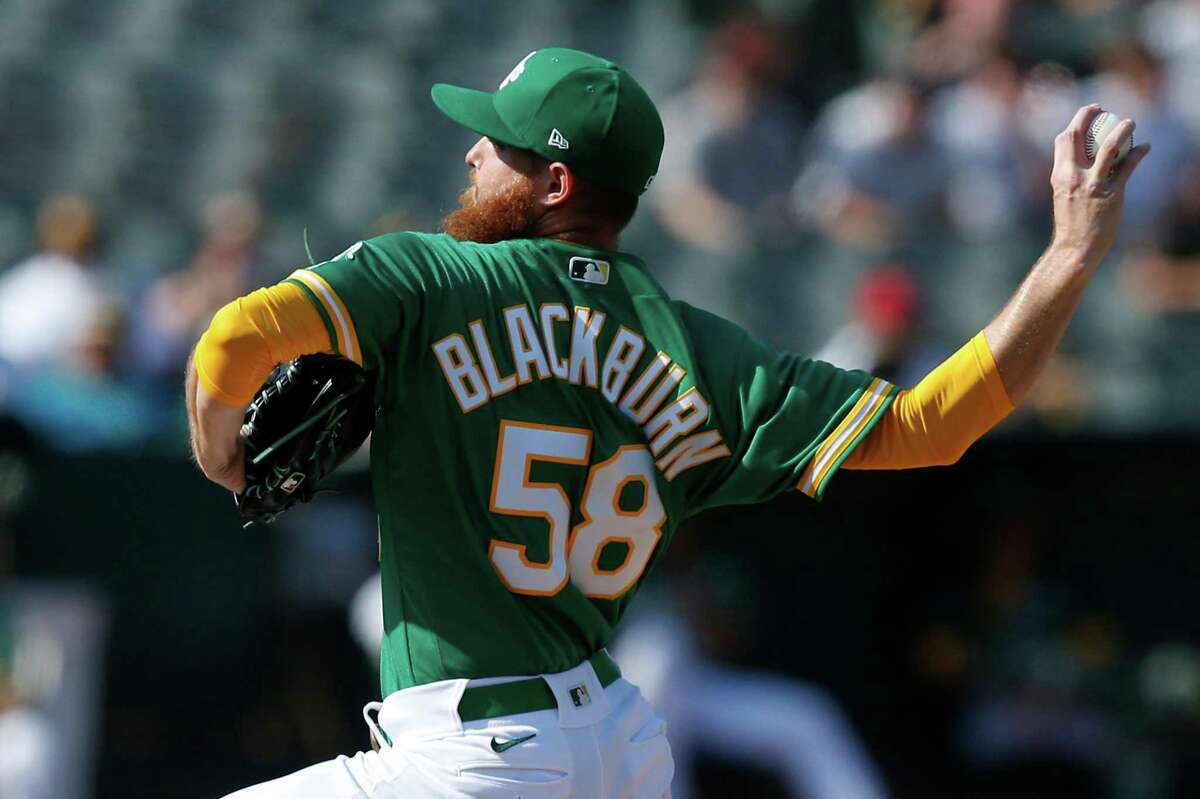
(1102, 126)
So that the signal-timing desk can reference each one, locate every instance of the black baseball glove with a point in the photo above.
(309, 417)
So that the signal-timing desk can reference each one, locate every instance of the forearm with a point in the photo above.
(1025, 334)
(215, 433)
(189, 397)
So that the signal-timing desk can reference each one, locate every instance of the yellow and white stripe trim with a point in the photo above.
(835, 444)
(343, 325)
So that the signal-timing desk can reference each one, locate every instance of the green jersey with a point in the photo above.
(547, 417)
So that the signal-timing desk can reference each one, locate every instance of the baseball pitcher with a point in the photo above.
(546, 417)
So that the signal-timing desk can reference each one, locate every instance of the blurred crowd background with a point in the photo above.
(862, 180)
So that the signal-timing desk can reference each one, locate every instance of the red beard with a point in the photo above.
(506, 215)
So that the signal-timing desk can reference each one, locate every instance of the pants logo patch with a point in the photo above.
(579, 695)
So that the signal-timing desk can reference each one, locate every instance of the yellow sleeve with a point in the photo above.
(250, 335)
(933, 423)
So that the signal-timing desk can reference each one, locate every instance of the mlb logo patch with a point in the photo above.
(588, 270)
(579, 695)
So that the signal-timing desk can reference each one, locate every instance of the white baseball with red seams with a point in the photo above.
(1100, 129)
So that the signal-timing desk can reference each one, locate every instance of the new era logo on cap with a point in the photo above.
(558, 140)
(588, 270)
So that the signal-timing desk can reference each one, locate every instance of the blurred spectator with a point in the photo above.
(1070, 32)
(26, 734)
(61, 334)
(51, 302)
(998, 179)
(51, 646)
(733, 143)
(962, 40)
(882, 336)
(84, 403)
(878, 177)
(1171, 31)
(1163, 280)
(177, 307)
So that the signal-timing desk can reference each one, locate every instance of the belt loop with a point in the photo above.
(579, 694)
(378, 736)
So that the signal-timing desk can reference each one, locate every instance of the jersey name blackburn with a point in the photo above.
(676, 428)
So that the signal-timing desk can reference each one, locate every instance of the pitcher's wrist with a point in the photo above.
(1072, 257)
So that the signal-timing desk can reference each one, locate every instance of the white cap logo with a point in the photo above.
(558, 140)
(516, 71)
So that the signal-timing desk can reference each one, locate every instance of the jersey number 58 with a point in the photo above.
(574, 555)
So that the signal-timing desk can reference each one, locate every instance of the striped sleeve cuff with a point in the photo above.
(333, 312)
(838, 445)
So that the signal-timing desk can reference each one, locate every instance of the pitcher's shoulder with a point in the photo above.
(407, 243)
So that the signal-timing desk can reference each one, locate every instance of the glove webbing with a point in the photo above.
(279, 472)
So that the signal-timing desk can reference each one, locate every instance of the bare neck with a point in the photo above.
(577, 230)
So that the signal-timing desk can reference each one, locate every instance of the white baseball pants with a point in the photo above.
(614, 747)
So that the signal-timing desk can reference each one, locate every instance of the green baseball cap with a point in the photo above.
(568, 106)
